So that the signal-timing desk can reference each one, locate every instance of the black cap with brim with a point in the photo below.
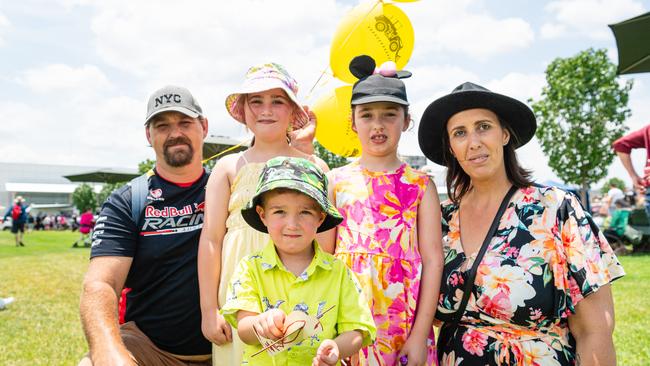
(378, 98)
(374, 87)
(519, 117)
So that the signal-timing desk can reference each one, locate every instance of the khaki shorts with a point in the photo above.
(146, 353)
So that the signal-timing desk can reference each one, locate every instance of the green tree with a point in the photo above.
(580, 113)
(145, 166)
(332, 160)
(84, 197)
(616, 182)
(107, 189)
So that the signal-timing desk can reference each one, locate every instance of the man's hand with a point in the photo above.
(327, 354)
(415, 349)
(270, 324)
(216, 329)
(645, 181)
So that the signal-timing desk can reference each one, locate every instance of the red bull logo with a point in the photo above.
(151, 211)
(155, 193)
(199, 207)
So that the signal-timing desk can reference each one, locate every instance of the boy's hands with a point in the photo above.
(415, 349)
(327, 354)
(270, 324)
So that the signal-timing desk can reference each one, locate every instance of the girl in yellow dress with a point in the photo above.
(267, 104)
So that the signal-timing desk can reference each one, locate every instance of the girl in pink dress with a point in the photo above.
(387, 237)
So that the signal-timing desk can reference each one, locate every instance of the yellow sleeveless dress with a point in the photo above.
(240, 240)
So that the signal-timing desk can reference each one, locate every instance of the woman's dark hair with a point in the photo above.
(459, 183)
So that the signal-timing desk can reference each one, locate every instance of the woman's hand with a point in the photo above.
(415, 349)
(327, 354)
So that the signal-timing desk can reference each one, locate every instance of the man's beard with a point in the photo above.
(180, 157)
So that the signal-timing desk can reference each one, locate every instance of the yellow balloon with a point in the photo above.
(381, 31)
(334, 127)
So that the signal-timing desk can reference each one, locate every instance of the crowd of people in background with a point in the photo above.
(53, 221)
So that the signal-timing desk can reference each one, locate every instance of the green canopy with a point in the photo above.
(107, 175)
(633, 43)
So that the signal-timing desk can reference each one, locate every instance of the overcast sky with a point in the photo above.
(75, 75)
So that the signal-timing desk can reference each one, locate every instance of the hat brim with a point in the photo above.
(185, 111)
(379, 98)
(235, 107)
(332, 218)
(519, 117)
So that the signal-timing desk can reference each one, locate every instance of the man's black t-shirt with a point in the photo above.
(164, 296)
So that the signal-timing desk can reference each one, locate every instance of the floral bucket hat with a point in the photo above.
(292, 173)
(264, 77)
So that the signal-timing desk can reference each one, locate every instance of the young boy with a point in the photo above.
(292, 273)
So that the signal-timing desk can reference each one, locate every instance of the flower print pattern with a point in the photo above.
(545, 257)
(378, 241)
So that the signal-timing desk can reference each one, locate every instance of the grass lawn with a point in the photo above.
(42, 327)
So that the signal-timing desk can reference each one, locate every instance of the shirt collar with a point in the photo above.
(271, 260)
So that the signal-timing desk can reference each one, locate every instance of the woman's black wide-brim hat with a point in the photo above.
(433, 125)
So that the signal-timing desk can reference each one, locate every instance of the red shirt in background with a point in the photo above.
(86, 222)
(634, 140)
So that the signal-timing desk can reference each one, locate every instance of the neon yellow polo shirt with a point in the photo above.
(261, 282)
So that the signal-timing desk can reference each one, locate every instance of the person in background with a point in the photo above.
(639, 139)
(86, 223)
(613, 194)
(18, 214)
(618, 219)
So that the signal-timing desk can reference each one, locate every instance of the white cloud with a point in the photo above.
(60, 77)
(519, 86)
(590, 17)
(552, 30)
(101, 131)
(4, 26)
(466, 28)
(482, 36)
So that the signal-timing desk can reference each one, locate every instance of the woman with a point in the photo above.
(538, 292)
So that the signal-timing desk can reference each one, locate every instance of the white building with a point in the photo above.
(42, 185)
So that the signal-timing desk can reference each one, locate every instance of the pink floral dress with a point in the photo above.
(545, 256)
(378, 241)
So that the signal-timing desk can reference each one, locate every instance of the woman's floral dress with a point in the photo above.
(378, 241)
(545, 257)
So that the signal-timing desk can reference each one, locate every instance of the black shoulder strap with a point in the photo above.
(139, 190)
(469, 282)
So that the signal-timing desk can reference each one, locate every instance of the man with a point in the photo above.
(623, 147)
(155, 258)
(18, 214)
(613, 194)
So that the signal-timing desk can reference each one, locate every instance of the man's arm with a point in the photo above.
(98, 308)
(626, 160)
